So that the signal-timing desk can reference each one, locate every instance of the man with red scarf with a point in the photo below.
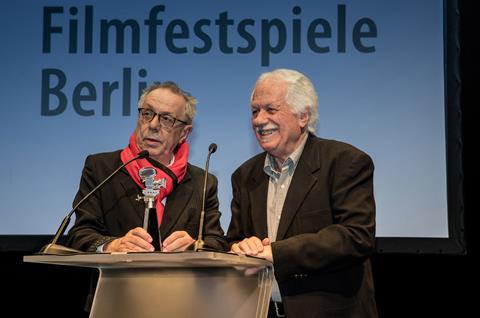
(111, 220)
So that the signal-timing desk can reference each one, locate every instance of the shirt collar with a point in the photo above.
(269, 166)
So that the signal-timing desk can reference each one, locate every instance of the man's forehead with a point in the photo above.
(162, 93)
(164, 98)
(268, 92)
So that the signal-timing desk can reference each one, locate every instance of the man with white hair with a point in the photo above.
(306, 204)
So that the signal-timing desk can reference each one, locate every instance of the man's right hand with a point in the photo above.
(253, 246)
(136, 240)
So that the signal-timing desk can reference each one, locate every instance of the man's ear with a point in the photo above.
(303, 119)
(185, 133)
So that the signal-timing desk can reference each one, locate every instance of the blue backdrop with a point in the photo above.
(71, 73)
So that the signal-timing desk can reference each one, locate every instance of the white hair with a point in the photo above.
(301, 95)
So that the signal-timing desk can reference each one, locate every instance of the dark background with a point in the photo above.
(407, 285)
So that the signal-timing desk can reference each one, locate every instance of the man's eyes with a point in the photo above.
(268, 109)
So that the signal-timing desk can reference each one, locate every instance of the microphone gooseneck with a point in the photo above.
(199, 243)
(53, 247)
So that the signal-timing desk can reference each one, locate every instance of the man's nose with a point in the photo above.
(154, 124)
(260, 118)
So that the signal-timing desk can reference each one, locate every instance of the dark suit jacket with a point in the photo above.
(326, 231)
(114, 209)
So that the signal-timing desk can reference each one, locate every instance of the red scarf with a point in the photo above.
(179, 168)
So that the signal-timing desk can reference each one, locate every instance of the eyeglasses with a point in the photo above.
(147, 115)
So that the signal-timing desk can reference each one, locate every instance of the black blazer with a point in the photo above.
(115, 209)
(326, 231)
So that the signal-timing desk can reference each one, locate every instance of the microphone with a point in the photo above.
(199, 243)
(55, 249)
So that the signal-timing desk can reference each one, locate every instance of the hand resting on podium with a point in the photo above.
(138, 240)
(253, 246)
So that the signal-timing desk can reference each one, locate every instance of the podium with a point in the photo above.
(186, 284)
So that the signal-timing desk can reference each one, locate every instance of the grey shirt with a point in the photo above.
(278, 184)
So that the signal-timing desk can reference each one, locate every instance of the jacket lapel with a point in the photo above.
(258, 190)
(176, 202)
(173, 208)
(132, 192)
(301, 184)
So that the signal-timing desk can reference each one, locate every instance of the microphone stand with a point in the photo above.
(152, 189)
(199, 243)
(56, 249)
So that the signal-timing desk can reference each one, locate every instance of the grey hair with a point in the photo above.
(301, 95)
(190, 101)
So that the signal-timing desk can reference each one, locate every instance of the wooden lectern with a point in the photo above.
(187, 284)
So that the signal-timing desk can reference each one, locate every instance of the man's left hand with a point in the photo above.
(267, 250)
(254, 247)
(178, 241)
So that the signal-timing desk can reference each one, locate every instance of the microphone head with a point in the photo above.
(212, 148)
(143, 154)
